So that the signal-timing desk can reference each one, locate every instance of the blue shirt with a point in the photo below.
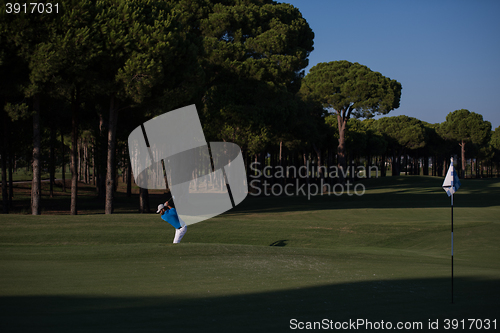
(171, 217)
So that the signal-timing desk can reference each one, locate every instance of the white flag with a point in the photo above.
(451, 182)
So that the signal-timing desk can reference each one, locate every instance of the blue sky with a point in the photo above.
(445, 53)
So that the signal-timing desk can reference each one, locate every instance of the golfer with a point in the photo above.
(169, 214)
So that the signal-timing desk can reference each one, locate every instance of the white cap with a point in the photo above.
(160, 207)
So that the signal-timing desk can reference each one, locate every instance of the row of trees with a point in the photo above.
(81, 68)
(91, 74)
(401, 143)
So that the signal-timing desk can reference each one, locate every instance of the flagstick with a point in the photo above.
(450, 185)
(451, 248)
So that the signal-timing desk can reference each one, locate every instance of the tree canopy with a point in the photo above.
(350, 88)
(465, 126)
(255, 54)
(495, 138)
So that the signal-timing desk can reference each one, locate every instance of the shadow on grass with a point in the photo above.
(280, 243)
(418, 300)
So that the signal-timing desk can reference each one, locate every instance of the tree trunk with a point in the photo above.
(426, 165)
(11, 181)
(124, 169)
(5, 193)
(383, 172)
(74, 156)
(83, 161)
(368, 173)
(94, 161)
(341, 158)
(272, 164)
(394, 164)
(305, 159)
(79, 159)
(462, 149)
(52, 159)
(330, 163)
(101, 157)
(415, 165)
(405, 161)
(282, 164)
(143, 200)
(258, 166)
(129, 178)
(87, 162)
(63, 164)
(321, 174)
(36, 186)
(110, 178)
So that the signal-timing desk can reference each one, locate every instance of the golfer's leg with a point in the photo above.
(179, 233)
(182, 232)
(176, 238)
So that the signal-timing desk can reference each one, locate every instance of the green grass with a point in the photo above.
(382, 256)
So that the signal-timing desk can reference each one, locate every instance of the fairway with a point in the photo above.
(383, 256)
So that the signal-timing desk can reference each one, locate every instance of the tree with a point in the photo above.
(376, 146)
(255, 53)
(145, 50)
(495, 143)
(350, 89)
(495, 138)
(403, 133)
(4, 149)
(356, 139)
(14, 74)
(465, 126)
(67, 55)
(28, 34)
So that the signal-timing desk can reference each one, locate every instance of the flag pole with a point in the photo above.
(451, 184)
(452, 249)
